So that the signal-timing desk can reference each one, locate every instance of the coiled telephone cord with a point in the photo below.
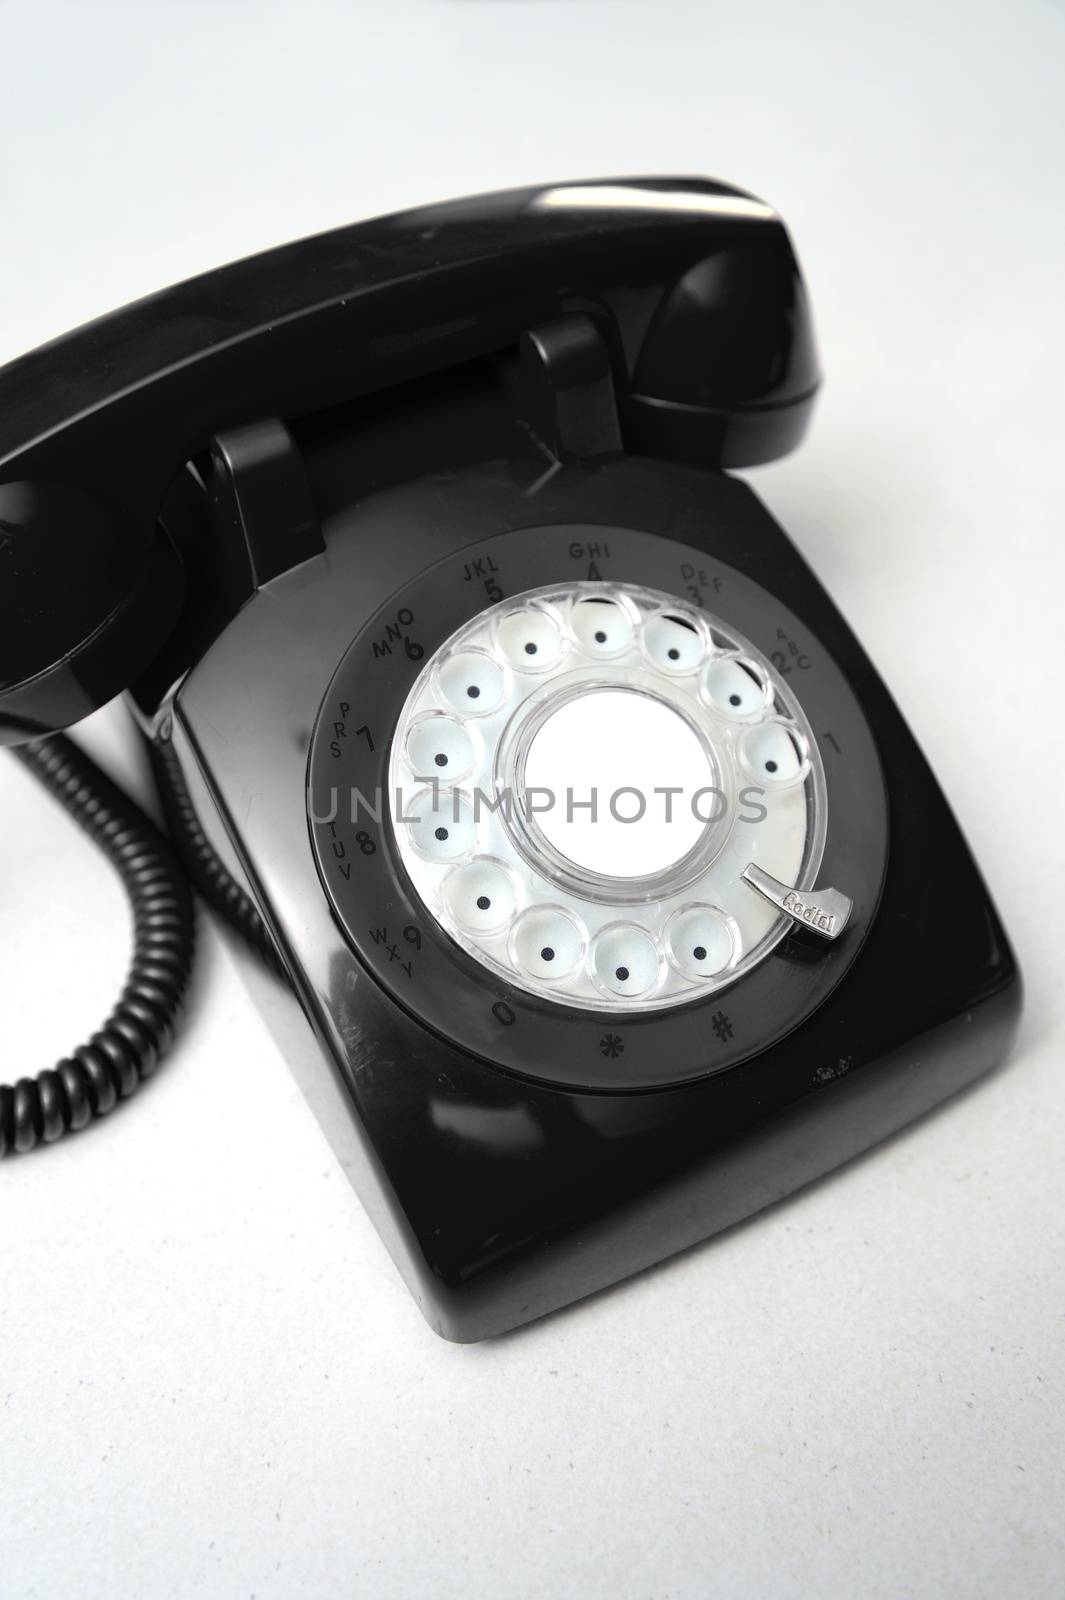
(114, 1062)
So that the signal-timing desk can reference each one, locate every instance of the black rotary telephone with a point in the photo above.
(389, 534)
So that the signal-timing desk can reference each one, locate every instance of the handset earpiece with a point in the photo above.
(728, 369)
(85, 603)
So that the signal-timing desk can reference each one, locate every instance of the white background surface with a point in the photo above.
(211, 1378)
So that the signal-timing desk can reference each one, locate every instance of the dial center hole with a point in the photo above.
(619, 783)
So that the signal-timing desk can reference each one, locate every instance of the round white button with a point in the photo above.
(472, 683)
(439, 747)
(529, 639)
(700, 942)
(625, 961)
(602, 627)
(674, 644)
(773, 754)
(735, 687)
(547, 942)
(482, 895)
(442, 826)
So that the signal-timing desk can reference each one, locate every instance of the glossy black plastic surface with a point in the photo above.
(693, 284)
(368, 414)
(501, 1197)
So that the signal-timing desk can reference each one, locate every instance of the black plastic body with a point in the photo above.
(362, 408)
(503, 1198)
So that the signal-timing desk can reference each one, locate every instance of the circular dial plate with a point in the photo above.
(479, 811)
(480, 1008)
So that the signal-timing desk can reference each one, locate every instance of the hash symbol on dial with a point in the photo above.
(612, 1045)
(722, 1026)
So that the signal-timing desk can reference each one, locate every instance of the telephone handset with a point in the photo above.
(392, 535)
